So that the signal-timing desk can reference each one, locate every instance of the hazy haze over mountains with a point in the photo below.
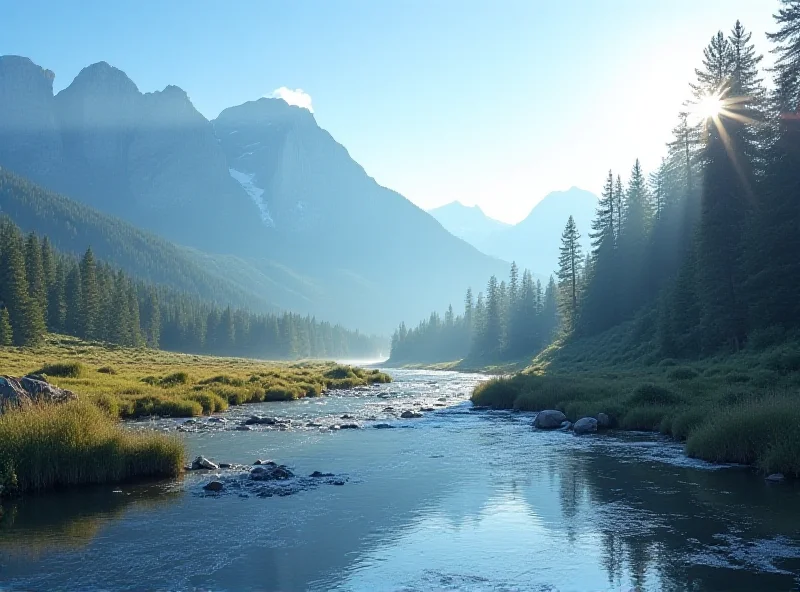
(535, 240)
(262, 185)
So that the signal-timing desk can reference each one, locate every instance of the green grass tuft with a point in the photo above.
(65, 370)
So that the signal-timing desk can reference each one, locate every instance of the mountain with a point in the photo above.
(262, 188)
(468, 223)
(533, 242)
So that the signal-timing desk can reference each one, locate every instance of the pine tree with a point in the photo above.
(152, 320)
(619, 199)
(73, 303)
(6, 333)
(90, 298)
(569, 262)
(34, 269)
(633, 241)
(26, 317)
(56, 307)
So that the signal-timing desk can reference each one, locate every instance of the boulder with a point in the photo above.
(549, 419)
(603, 421)
(427, 409)
(410, 415)
(268, 473)
(347, 416)
(775, 477)
(349, 426)
(20, 393)
(318, 474)
(383, 426)
(201, 462)
(258, 420)
(585, 425)
(270, 463)
(214, 486)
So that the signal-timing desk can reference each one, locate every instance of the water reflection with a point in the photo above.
(35, 525)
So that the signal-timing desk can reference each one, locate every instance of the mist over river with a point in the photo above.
(456, 500)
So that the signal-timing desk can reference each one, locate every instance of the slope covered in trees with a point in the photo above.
(44, 290)
(701, 257)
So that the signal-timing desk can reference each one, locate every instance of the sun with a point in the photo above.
(709, 107)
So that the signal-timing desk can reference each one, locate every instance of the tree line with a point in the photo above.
(43, 290)
(703, 253)
(511, 319)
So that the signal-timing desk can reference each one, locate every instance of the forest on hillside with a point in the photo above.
(43, 290)
(702, 253)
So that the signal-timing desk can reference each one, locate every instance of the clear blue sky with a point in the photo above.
(491, 102)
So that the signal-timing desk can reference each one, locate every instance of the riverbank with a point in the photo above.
(51, 446)
(743, 408)
(130, 383)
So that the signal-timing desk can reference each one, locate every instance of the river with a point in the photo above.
(456, 500)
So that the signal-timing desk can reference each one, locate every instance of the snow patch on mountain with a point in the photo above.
(255, 193)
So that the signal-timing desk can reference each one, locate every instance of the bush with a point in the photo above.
(500, 393)
(683, 373)
(146, 406)
(174, 379)
(109, 404)
(279, 393)
(232, 395)
(763, 433)
(668, 362)
(76, 444)
(65, 370)
(210, 402)
(107, 370)
(646, 418)
(784, 360)
(651, 394)
(226, 380)
(686, 421)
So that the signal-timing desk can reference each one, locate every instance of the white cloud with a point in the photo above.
(297, 97)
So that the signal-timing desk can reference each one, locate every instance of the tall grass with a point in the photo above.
(76, 444)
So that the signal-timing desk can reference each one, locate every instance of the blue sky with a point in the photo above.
(493, 103)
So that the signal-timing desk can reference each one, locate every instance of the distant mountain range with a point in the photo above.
(533, 242)
(261, 197)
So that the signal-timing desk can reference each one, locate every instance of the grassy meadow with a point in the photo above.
(82, 442)
(130, 383)
(740, 408)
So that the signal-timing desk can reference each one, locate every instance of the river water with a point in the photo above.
(457, 500)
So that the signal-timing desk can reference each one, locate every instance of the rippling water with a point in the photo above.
(457, 500)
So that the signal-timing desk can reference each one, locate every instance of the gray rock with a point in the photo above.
(267, 473)
(243, 428)
(775, 478)
(585, 425)
(258, 420)
(349, 426)
(565, 426)
(347, 416)
(603, 421)
(383, 426)
(270, 463)
(224, 465)
(410, 415)
(201, 462)
(214, 486)
(427, 409)
(217, 420)
(549, 419)
(20, 393)
(318, 474)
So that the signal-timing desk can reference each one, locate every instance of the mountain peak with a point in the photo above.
(267, 110)
(103, 75)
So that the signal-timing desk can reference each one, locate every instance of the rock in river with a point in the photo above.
(775, 477)
(585, 425)
(549, 419)
(383, 426)
(410, 415)
(271, 473)
(603, 421)
(214, 486)
(201, 462)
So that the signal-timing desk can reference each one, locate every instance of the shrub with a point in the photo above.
(783, 360)
(763, 433)
(232, 395)
(174, 379)
(227, 380)
(500, 393)
(340, 372)
(151, 380)
(65, 370)
(646, 418)
(668, 362)
(686, 421)
(107, 370)
(651, 394)
(256, 395)
(210, 402)
(683, 373)
(146, 406)
(109, 404)
(279, 393)
(76, 444)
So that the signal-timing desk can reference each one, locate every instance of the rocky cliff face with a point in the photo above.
(29, 137)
